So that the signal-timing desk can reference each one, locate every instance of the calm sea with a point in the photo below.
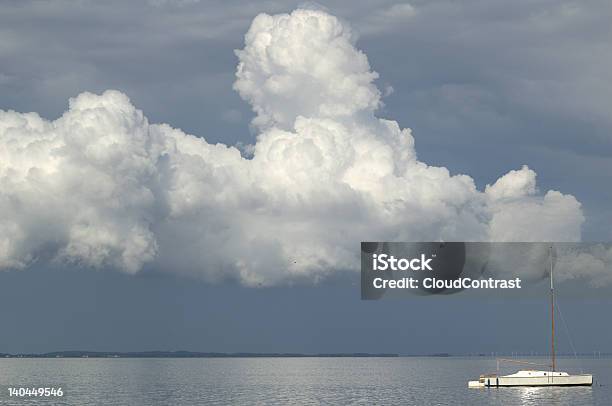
(368, 381)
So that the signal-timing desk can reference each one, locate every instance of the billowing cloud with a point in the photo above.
(592, 265)
(102, 187)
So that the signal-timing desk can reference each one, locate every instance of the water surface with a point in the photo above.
(367, 381)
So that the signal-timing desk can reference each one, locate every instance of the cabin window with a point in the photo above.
(544, 373)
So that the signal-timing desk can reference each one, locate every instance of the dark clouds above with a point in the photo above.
(103, 187)
(486, 86)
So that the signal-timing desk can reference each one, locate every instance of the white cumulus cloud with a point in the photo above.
(102, 187)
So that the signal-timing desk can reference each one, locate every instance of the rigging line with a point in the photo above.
(569, 336)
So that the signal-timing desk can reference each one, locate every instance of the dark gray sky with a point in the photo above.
(486, 86)
(63, 309)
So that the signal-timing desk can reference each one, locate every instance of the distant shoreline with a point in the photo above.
(196, 354)
(189, 354)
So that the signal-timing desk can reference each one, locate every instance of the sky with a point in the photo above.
(483, 121)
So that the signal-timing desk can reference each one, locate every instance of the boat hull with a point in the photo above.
(566, 380)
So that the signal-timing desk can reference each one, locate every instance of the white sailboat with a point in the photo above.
(533, 377)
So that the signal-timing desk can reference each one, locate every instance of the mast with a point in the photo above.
(552, 313)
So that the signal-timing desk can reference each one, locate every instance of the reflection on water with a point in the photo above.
(536, 396)
(554, 395)
(402, 381)
(529, 396)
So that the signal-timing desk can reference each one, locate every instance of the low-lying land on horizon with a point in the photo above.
(184, 354)
(196, 354)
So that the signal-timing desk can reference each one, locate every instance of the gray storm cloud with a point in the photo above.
(102, 187)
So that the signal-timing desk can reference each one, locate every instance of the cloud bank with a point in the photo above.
(102, 187)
